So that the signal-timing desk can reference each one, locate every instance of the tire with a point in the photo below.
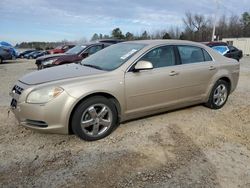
(39, 67)
(1, 60)
(94, 119)
(21, 56)
(219, 95)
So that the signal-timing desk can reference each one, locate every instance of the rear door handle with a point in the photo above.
(212, 68)
(173, 73)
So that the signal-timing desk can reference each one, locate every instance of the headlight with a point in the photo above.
(43, 95)
(49, 62)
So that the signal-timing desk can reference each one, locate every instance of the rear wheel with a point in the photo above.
(94, 118)
(1, 60)
(219, 95)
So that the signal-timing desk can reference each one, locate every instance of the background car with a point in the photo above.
(61, 49)
(5, 54)
(7, 45)
(22, 54)
(75, 54)
(226, 50)
(31, 55)
(39, 54)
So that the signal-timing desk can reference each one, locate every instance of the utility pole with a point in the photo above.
(215, 18)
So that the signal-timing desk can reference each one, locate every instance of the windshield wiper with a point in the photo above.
(93, 66)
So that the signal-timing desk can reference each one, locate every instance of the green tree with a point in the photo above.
(117, 33)
(183, 36)
(95, 37)
(246, 24)
(129, 36)
(166, 36)
(145, 35)
(106, 36)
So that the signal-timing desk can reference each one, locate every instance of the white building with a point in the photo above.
(240, 43)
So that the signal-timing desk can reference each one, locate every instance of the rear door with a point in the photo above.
(195, 73)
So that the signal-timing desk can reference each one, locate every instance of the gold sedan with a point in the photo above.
(122, 82)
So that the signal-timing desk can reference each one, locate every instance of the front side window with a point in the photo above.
(161, 57)
(191, 54)
(94, 49)
(76, 50)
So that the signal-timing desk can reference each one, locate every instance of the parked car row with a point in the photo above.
(75, 54)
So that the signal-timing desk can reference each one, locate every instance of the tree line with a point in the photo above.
(196, 27)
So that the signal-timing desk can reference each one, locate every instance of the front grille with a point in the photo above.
(15, 93)
(18, 90)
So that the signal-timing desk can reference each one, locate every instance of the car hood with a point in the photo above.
(52, 56)
(58, 73)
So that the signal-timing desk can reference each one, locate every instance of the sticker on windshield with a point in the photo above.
(128, 54)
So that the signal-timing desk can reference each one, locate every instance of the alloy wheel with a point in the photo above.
(96, 120)
(220, 95)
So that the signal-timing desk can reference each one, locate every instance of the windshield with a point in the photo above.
(112, 57)
(221, 49)
(76, 50)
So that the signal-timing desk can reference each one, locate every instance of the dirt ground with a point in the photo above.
(191, 147)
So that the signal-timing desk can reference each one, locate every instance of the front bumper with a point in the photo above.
(52, 117)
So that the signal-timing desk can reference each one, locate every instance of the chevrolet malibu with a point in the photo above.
(123, 82)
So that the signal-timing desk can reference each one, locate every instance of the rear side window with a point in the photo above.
(191, 54)
(94, 49)
(207, 56)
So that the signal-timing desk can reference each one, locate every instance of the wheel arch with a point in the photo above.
(103, 94)
(226, 79)
(215, 80)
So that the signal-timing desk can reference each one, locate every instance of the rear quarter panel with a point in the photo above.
(227, 68)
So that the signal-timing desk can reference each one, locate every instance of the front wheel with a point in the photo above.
(219, 95)
(39, 67)
(94, 119)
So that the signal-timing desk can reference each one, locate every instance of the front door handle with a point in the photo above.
(212, 68)
(173, 73)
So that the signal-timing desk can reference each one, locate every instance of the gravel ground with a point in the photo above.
(191, 147)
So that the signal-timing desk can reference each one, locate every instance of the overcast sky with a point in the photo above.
(55, 20)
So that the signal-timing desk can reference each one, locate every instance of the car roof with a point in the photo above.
(165, 41)
(215, 43)
(93, 43)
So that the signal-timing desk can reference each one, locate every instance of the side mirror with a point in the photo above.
(85, 54)
(143, 65)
